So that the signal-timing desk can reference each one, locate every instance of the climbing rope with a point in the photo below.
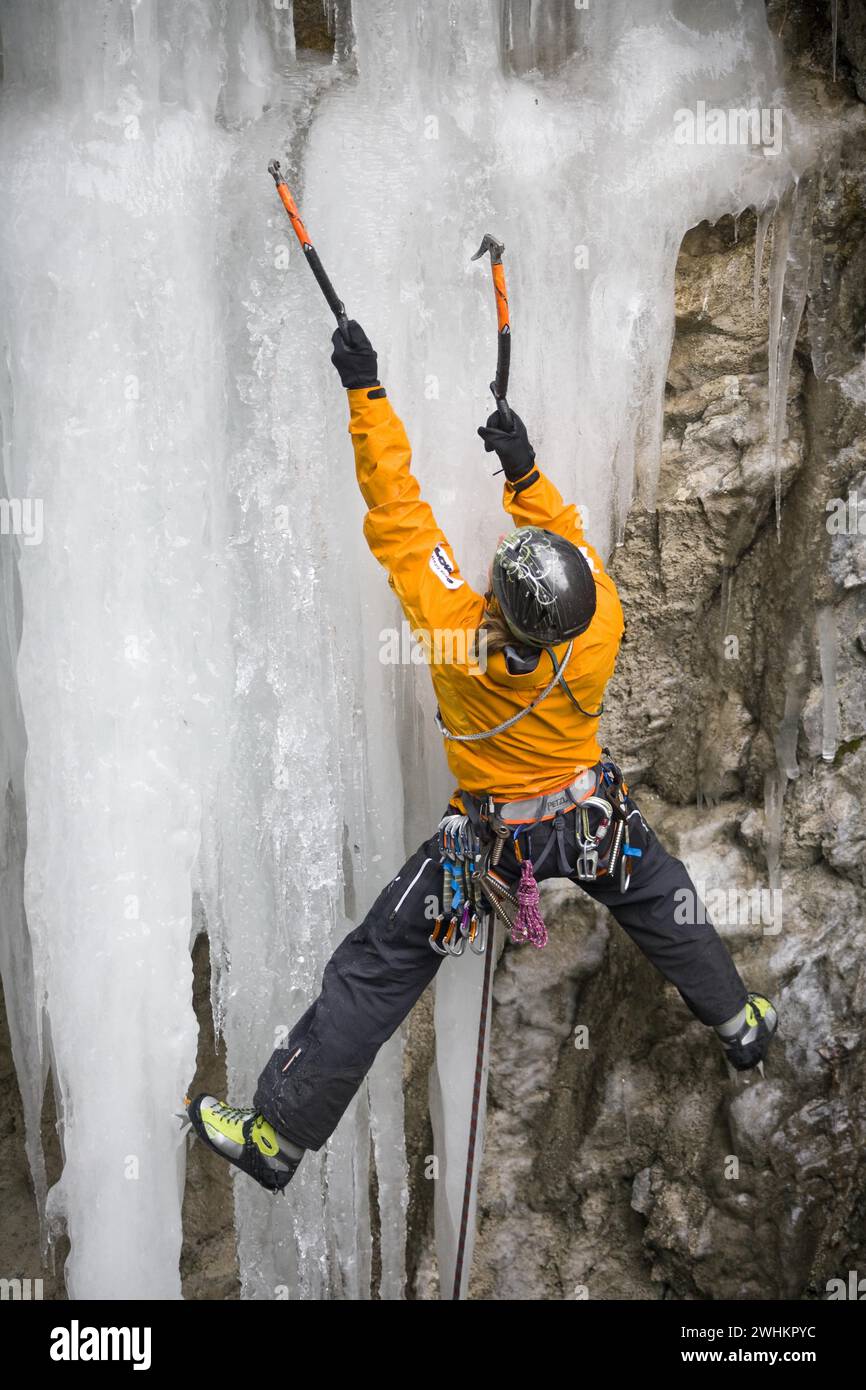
(473, 1120)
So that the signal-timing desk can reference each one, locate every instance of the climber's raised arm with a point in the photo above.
(400, 527)
(529, 496)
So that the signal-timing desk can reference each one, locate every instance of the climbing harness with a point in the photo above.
(597, 798)
(544, 807)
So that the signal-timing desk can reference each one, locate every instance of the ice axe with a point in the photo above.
(499, 385)
(336, 305)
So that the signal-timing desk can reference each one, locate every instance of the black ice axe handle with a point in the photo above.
(335, 303)
(499, 385)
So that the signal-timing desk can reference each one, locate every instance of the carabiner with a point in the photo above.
(433, 938)
(624, 863)
(452, 935)
(478, 930)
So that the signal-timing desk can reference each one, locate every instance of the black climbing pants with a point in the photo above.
(379, 970)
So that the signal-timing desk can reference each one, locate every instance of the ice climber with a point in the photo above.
(520, 683)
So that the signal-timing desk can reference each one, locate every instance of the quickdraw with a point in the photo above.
(589, 840)
(466, 915)
(622, 851)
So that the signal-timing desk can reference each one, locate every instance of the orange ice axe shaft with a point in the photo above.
(336, 305)
(499, 385)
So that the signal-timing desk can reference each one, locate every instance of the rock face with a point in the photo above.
(622, 1162)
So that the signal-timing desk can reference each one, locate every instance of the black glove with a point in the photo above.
(513, 448)
(356, 360)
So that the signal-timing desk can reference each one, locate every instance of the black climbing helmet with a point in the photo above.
(544, 586)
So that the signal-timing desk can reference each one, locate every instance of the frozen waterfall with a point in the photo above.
(194, 701)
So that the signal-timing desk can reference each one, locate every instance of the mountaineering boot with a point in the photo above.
(747, 1035)
(246, 1139)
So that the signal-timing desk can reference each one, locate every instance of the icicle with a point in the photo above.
(517, 37)
(338, 17)
(835, 7)
(765, 217)
(727, 586)
(787, 768)
(825, 620)
(789, 278)
(778, 259)
(789, 728)
(626, 1112)
(775, 784)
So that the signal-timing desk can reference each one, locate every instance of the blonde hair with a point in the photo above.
(498, 634)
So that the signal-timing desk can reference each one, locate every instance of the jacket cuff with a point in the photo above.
(374, 392)
(523, 483)
(368, 406)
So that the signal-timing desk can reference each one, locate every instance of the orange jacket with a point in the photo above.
(543, 751)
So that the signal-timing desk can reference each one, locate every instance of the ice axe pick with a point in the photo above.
(336, 305)
(499, 385)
